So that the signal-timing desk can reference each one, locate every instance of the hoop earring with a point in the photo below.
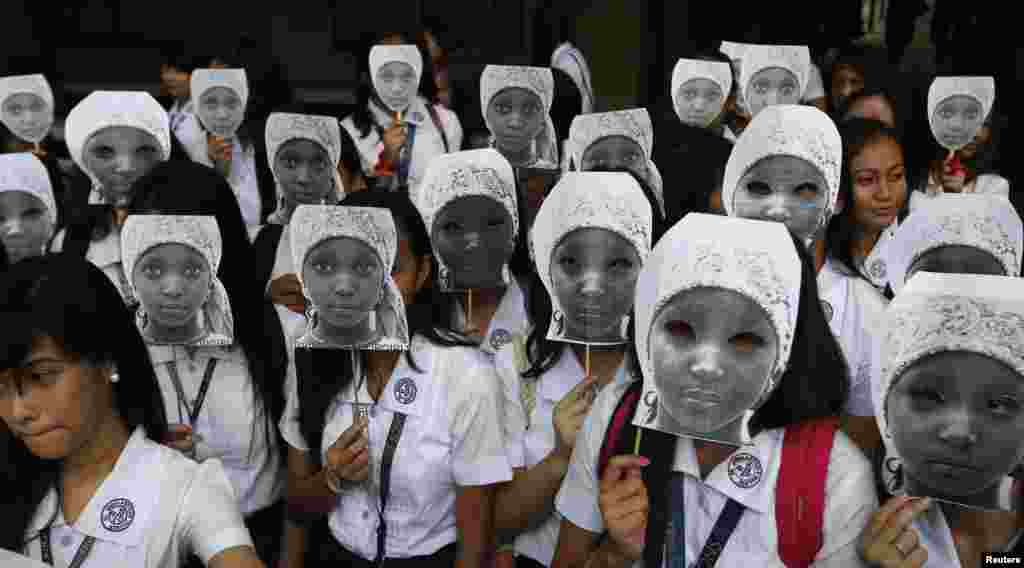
(558, 318)
(893, 476)
(143, 318)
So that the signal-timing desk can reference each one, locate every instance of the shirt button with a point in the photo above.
(66, 540)
(366, 515)
(373, 411)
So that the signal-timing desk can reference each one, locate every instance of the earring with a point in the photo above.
(558, 318)
(443, 277)
(143, 318)
(624, 327)
(115, 377)
(892, 475)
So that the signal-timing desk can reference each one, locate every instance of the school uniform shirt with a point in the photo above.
(850, 497)
(854, 309)
(530, 432)
(9, 559)
(105, 254)
(154, 509)
(242, 178)
(452, 438)
(985, 184)
(187, 130)
(427, 144)
(509, 324)
(232, 429)
(937, 539)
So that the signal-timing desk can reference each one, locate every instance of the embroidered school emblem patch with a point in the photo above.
(745, 470)
(827, 308)
(117, 515)
(500, 338)
(405, 391)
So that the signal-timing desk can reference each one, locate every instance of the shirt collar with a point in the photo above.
(568, 373)
(119, 511)
(107, 251)
(510, 319)
(748, 476)
(407, 390)
(163, 354)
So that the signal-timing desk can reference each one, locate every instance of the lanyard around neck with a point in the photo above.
(192, 411)
(80, 555)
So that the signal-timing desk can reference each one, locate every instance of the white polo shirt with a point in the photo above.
(850, 496)
(154, 509)
(509, 323)
(527, 446)
(105, 254)
(231, 428)
(452, 438)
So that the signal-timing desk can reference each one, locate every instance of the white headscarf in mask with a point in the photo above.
(142, 233)
(27, 85)
(984, 222)
(612, 201)
(460, 174)
(936, 313)
(982, 89)
(24, 172)
(793, 58)
(106, 109)
(233, 79)
(634, 124)
(755, 259)
(718, 72)
(537, 80)
(284, 127)
(372, 226)
(381, 55)
(569, 59)
(787, 130)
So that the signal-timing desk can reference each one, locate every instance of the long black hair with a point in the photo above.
(323, 373)
(842, 231)
(36, 301)
(365, 94)
(187, 188)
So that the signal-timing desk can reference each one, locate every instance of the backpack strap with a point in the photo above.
(800, 490)
(265, 246)
(621, 428)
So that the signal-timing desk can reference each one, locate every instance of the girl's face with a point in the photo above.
(517, 117)
(699, 101)
(785, 189)
(879, 184)
(772, 86)
(27, 115)
(25, 226)
(221, 111)
(54, 403)
(118, 156)
(957, 421)
(846, 80)
(172, 282)
(957, 259)
(615, 152)
(713, 351)
(594, 272)
(396, 85)
(956, 121)
(304, 172)
(473, 236)
(175, 83)
(343, 278)
(874, 108)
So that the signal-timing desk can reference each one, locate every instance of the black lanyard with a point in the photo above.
(394, 433)
(727, 521)
(193, 412)
(83, 550)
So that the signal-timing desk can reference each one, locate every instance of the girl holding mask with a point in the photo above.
(85, 468)
(948, 405)
(703, 93)
(730, 336)
(447, 452)
(220, 97)
(396, 150)
(590, 239)
(115, 138)
(468, 202)
(618, 139)
(964, 234)
(516, 102)
(303, 152)
(28, 210)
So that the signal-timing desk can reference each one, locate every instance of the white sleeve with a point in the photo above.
(998, 185)
(57, 245)
(211, 521)
(452, 129)
(577, 499)
(514, 422)
(474, 419)
(815, 84)
(850, 500)
(289, 423)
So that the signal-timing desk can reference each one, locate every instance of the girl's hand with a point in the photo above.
(349, 457)
(569, 415)
(889, 541)
(179, 437)
(624, 505)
